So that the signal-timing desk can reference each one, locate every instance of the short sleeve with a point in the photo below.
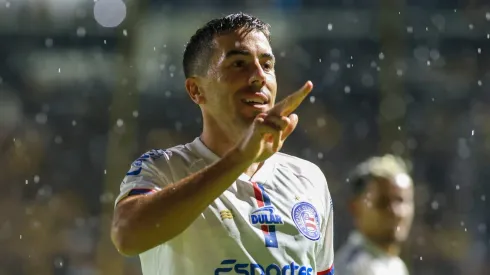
(325, 248)
(147, 174)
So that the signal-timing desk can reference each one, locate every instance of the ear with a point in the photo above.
(193, 87)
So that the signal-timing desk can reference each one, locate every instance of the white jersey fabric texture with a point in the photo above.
(359, 257)
(278, 222)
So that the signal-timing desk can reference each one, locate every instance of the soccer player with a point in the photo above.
(382, 207)
(228, 202)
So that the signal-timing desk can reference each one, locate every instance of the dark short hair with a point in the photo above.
(387, 166)
(199, 49)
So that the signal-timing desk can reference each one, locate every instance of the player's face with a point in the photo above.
(241, 81)
(384, 213)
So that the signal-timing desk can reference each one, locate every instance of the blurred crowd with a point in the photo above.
(79, 102)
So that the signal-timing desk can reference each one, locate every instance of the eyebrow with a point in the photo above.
(247, 53)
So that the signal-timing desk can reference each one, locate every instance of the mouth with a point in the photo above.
(257, 100)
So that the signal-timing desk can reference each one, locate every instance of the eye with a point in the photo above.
(269, 65)
(238, 63)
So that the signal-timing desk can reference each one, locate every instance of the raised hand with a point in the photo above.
(269, 130)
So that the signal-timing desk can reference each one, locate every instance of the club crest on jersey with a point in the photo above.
(306, 219)
(265, 216)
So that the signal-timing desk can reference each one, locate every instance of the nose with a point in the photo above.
(258, 77)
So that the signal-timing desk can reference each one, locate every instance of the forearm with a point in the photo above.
(144, 222)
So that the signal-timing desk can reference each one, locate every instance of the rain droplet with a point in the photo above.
(329, 26)
(58, 139)
(347, 89)
(426, 29)
(109, 13)
(399, 72)
(321, 122)
(320, 155)
(457, 187)
(41, 118)
(487, 16)
(48, 42)
(135, 113)
(470, 26)
(20, 237)
(480, 83)
(462, 223)
(119, 123)
(27, 182)
(479, 50)
(472, 132)
(81, 32)
(58, 262)
(434, 205)
(105, 42)
(421, 258)
(483, 197)
(125, 32)
(74, 123)
(105, 171)
(320, 60)
(7, 5)
(312, 99)
(59, 70)
(334, 67)
(410, 29)
(381, 56)
(428, 62)
(399, 128)
(36, 179)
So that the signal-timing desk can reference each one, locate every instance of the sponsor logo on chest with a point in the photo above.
(265, 216)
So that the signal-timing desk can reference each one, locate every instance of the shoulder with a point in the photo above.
(300, 167)
(163, 159)
(352, 259)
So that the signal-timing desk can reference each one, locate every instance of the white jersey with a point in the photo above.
(359, 257)
(278, 222)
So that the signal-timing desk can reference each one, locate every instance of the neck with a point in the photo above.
(219, 141)
(392, 249)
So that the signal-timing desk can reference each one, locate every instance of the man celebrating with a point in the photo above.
(229, 202)
(382, 207)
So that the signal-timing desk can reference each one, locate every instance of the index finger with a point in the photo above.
(286, 106)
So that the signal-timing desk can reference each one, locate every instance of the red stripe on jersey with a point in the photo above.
(260, 203)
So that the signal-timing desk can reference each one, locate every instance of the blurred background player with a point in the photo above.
(382, 208)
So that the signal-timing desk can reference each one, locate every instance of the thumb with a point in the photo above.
(293, 122)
